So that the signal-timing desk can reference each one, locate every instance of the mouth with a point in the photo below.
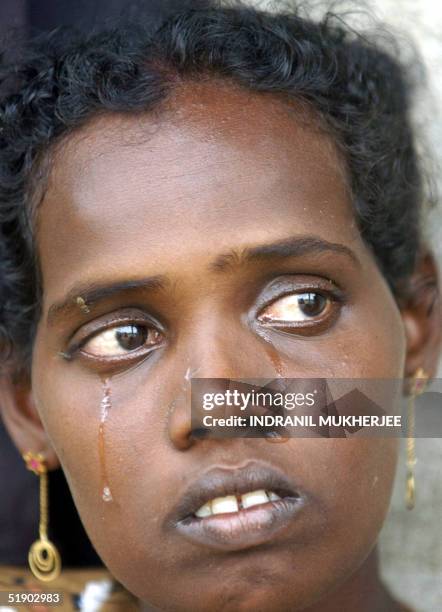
(233, 509)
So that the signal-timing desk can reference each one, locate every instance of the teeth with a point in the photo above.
(273, 496)
(254, 498)
(224, 504)
(205, 510)
(229, 503)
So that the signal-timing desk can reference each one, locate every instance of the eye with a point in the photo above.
(296, 308)
(121, 340)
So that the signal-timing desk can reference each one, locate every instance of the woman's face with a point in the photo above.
(185, 237)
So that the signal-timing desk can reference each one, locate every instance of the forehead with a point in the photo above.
(217, 168)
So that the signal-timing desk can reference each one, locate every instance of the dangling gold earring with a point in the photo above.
(44, 559)
(418, 386)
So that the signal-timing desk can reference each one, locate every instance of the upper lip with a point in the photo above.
(220, 481)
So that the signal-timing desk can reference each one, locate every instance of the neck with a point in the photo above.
(363, 591)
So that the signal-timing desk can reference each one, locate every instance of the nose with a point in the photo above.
(218, 351)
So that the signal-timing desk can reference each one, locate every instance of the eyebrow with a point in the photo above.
(94, 293)
(295, 246)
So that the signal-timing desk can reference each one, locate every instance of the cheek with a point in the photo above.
(354, 476)
(353, 479)
(377, 347)
(96, 453)
(70, 412)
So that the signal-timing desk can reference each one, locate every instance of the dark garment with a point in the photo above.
(18, 504)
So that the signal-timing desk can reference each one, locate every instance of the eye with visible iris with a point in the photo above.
(296, 308)
(122, 340)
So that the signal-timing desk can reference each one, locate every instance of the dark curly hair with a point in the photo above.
(65, 79)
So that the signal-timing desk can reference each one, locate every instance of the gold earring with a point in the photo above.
(43, 557)
(418, 386)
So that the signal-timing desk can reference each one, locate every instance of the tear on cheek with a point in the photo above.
(105, 407)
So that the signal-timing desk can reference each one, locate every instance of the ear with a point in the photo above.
(21, 419)
(422, 316)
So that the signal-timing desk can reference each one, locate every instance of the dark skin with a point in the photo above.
(179, 203)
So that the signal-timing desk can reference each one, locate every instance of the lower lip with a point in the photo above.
(243, 529)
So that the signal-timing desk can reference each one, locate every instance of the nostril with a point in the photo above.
(200, 433)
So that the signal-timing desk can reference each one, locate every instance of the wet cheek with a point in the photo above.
(103, 431)
(95, 452)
